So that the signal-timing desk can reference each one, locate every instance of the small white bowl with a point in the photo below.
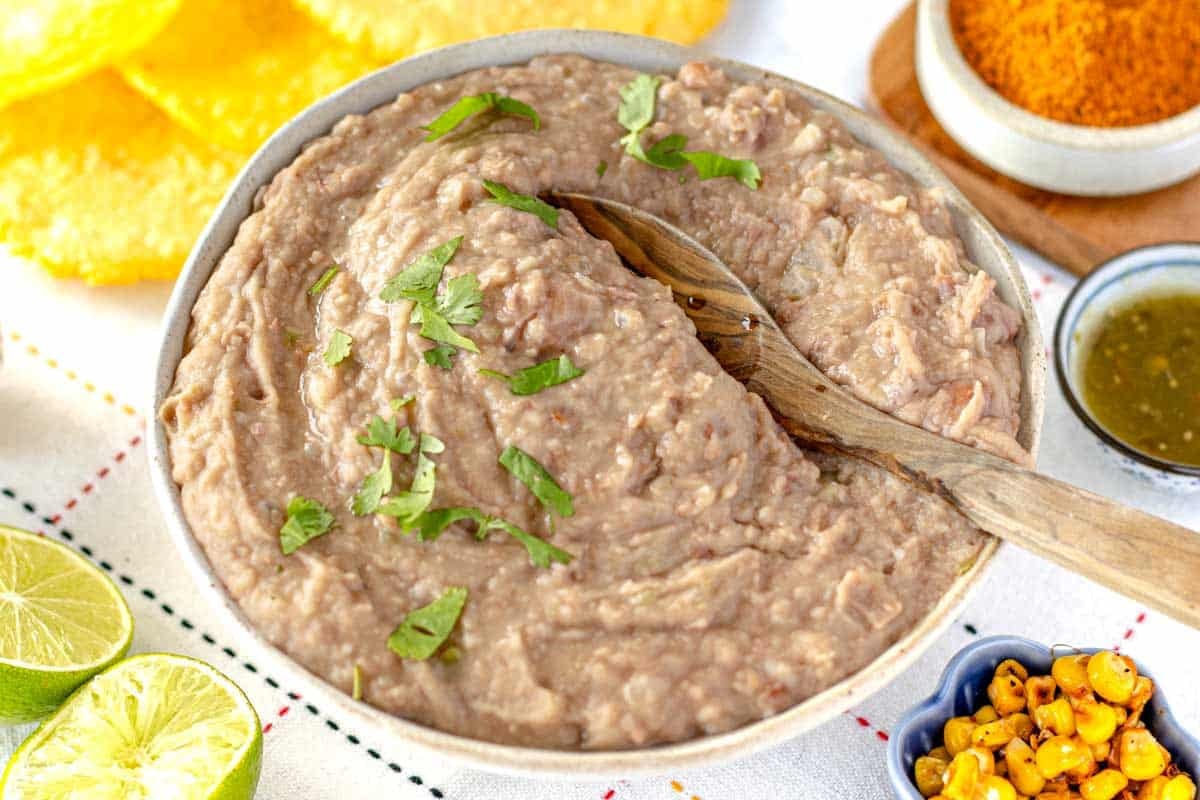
(1136, 273)
(1059, 157)
(986, 248)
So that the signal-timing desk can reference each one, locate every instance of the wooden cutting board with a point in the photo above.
(1075, 232)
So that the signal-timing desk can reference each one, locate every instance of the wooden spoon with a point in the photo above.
(1133, 553)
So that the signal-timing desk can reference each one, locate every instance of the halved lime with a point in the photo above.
(61, 621)
(154, 726)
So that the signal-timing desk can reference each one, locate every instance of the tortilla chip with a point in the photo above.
(49, 43)
(97, 182)
(234, 72)
(392, 30)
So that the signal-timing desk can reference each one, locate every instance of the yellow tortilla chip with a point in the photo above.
(393, 30)
(233, 72)
(97, 182)
(49, 43)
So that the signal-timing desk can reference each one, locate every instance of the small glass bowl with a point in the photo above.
(1133, 273)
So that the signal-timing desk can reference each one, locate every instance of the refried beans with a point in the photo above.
(721, 572)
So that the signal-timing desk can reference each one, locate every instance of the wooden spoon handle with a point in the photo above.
(1136, 554)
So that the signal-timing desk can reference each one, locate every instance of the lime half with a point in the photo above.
(61, 621)
(154, 727)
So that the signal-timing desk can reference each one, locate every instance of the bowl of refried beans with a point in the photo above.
(477, 487)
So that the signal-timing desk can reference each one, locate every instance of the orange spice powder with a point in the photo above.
(1105, 63)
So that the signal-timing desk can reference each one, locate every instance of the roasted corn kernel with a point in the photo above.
(1180, 787)
(1095, 722)
(1057, 716)
(1111, 676)
(993, 787)
(1143, 690)
(1007, 693)
(993, 734)
(1021, 724)
(1153, 788)
(1104, 785)
(940, 753)
(1070, 673)
(1088, 767)
(1039, 690)
(962, 778)
(1011, 666)
(956, 734)
(1139, 754)
(1058, 754)
(1101, 750)
(987, 762)
(1022, 770)
(928, 773)
(985, 715)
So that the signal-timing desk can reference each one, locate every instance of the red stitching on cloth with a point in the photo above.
(608, 795)
(101, 474)
(71, 375)
(280, 714)
(863, 722)
(1132, 629)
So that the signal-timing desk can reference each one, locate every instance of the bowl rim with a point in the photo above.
(950, 682)
(639, 52)
(1081, 295)
(1004, 112)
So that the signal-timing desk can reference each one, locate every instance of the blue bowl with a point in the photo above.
(963, 689)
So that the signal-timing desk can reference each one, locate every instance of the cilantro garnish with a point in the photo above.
(418, 281)
(306, 520)
(529, 472)
(400, 402)
(636, 112)
(601, 168)
(383, 433)
(431, 443)
(460, 304)
(374, 486)
(467, 107)
(712, 165)
(426, 629)
(440, 356)
(339, 348)
(323, 281)
(406, 506)
(532, 380)
(431, 524)
(504, 196)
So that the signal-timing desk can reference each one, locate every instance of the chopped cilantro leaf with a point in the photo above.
(467, 107)
(441, 356)
(418, 281)
(407, 506)
(436, 327)
(529, 472)
(461, 303)
(541, 552)
(532, 380)
(383, 433)
(431, 444)
(400, 402)
(636, 110)
(666, 153)
(426, 629)
(306, 520)
(339, 348)
(601, 168)
(432, 524)
(522, 202)
(374, 486)
(712, 165)
(323, 281)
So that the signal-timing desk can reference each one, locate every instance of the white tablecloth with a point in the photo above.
(73, 400)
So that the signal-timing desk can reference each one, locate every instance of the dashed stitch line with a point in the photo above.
(101, 474)
(971, 629)
(678, 787)
(73, 376)
(863, 722)
(280, 714)
(1132, 629)
(152, 596)
(608, 795)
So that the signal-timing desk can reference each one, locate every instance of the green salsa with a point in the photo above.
(1141, 375)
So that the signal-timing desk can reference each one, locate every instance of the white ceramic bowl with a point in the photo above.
(982, 242)
(1137, 273)
(1072, 159)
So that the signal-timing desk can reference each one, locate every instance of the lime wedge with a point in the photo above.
(154, 726)
(61, 621)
